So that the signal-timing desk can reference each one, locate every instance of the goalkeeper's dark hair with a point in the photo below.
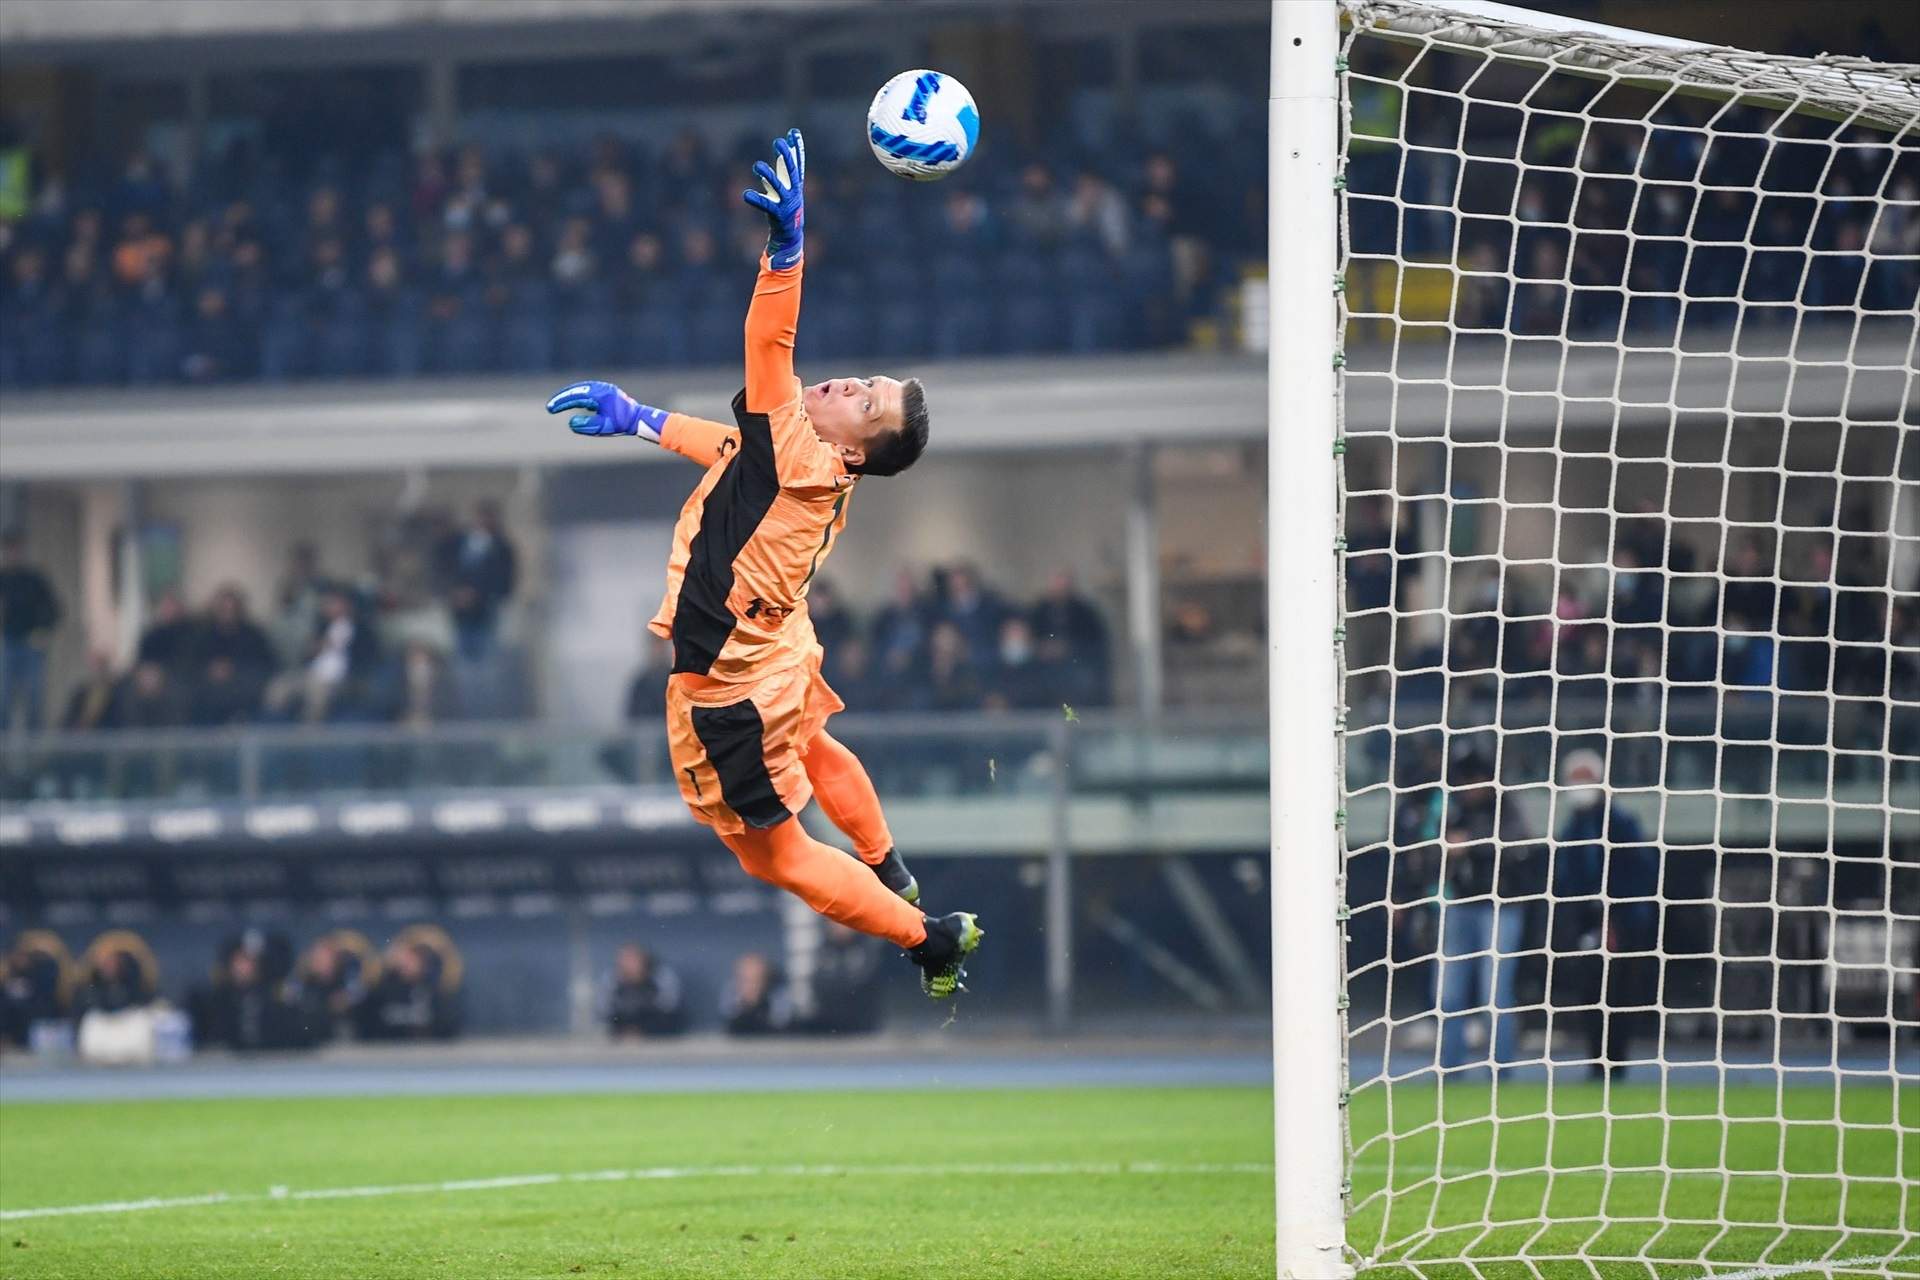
(894, 452)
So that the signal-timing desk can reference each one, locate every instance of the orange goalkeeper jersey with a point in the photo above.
(764, 517)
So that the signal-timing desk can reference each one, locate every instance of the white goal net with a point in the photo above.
(1630, 462)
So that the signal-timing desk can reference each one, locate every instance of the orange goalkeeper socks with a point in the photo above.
(847, 797)
(827, 880)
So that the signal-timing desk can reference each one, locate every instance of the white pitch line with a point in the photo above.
(622, 1175)
(1823, 1266)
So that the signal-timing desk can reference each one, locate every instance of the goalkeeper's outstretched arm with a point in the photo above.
(606, 410)
(774, 315)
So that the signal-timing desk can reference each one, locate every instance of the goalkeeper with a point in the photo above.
(746, 705)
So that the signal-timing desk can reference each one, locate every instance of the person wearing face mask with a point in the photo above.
(1605, 926)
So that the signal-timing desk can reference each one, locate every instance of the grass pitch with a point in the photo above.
(1096, 1183)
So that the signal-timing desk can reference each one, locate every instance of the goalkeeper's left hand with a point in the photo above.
(610, 412)
(783, 199)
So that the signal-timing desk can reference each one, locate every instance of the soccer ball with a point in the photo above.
(923, 125)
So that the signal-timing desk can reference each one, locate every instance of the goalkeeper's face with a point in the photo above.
(849, 413)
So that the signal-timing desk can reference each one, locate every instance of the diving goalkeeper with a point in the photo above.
(746, 704)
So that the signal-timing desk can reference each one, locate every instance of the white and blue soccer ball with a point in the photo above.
(923, 125)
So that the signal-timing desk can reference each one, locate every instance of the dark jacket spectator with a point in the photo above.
(1486, 841)
(222, 696)
(407, 1003)
(644, 998)
(1022, 679)
(647, 691)
(148, 700)
(115, 983)
(170, 639)
(244, 1009)
(344, 662)
(324, 993)
(832, 623)
(230, 635)
(1071, 634)
(29, 611)
(29, 993)
(756, 1002)
(848, 980)
(952, 681)
(480, 569)
(973, 611)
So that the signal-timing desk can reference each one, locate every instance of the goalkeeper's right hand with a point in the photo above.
(782, 197)
(609, 412)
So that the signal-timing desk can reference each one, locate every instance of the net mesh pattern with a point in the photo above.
(1630, 465)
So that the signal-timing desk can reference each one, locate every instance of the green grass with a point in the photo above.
(1185, 1221)
(1684, 1173)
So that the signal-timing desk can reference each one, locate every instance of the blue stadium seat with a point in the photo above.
(153, 341)
(526, 338)
(583, 337)
(713, 331)
(285, 351)
(963, 323)
(341, 337)
(655, 336)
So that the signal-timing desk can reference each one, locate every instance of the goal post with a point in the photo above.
(1594, 644)
(1302, 611)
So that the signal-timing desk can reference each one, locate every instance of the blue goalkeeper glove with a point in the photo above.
(783, 198)
(609, 412)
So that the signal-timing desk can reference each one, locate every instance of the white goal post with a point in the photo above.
(1594, 650)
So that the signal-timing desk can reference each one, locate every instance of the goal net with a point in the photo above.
(1630, 505)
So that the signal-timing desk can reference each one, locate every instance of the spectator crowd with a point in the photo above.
(415, 643)
(264, 994)
(946, 642)
(267, 266)
(260, 994)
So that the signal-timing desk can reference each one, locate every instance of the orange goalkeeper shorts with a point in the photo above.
(736, 747)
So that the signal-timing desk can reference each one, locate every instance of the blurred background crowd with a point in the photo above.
(261, 992)
(265, 265)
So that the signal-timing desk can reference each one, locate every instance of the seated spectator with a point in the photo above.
(647, 690)
(850, 672)
(900, 631)
(407, 1003)
(1037, 214)
(230, 634)
(847, 983)
(148, 700)
(973, 609)
(1022, 680)
(341, 661)
(324, 992)
(91, 704)
(832, 621)
(1097, 214)
(1070, 632)
(244, 1010)
(644, 998)
(215, 344)
(953, 680)
(222, 696)
(756, 1001)
(31, 990)
(299, 607)
(116, 981)
(170, 638)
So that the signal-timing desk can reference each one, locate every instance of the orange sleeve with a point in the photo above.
(696, 438)
(772, 319)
